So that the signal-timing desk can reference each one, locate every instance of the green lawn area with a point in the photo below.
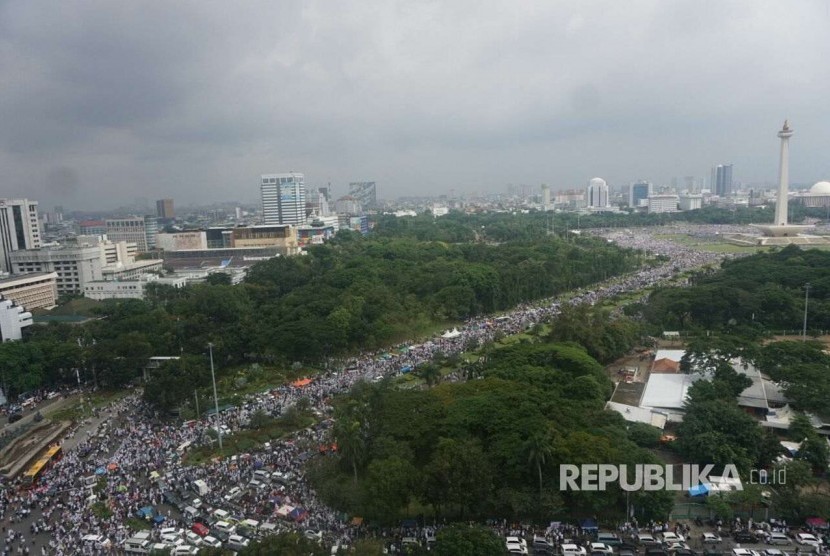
(77, 408)
(80, 306)
(247, 440)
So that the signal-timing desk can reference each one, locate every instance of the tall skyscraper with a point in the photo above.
(721, 180)
(19, 228)
(639, 193)
(151, 231)
(283, 198)
(365, 192)
(597, 193)
(164, 209)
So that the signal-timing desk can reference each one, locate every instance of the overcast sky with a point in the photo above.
(104, 102)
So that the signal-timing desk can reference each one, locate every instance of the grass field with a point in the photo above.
(75, 408)
(81, 306)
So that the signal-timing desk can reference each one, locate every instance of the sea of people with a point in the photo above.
(131, 443)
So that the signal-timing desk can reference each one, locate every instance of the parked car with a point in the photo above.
(712, 538)
(573, 550)
(808, 539)
(745, 537)
(779, 538)
(611, 539)
(602, 547)
(516, 545)
(670, 538)
(646, 540)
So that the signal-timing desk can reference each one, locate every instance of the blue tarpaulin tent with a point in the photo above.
(588, 525)
(699, 490)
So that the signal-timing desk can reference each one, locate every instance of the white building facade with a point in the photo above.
(597, 193)
(283, 198)
(77, 265)
(662, 203)
(128, 289)
(690, 202)
(13, 319)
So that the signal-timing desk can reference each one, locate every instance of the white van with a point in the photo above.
(221, 514)
(201, 487)
(236, 542)
(268, 528)
(135, 545)
(190, 513)
(233, 494)
(224, 526)
(252, 523)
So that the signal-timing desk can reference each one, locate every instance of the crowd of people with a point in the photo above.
(97, 488)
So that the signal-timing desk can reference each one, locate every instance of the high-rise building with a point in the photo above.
(597, 193)
(131, 229)
(164, 209)
(19, 228)
(639, 193)
(151, 230)
(365, 192)
(721, 180)
(283, 198)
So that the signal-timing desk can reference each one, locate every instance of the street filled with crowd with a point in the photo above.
(126, 459)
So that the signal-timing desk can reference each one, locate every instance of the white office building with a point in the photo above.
(662, 203)
(19, 228)
(690, 202)
(13, 319)
(135, 288)
(283, 198)
(91, 259)
(597, 194)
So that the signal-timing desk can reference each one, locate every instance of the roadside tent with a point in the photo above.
(301, 382)
(816, 522)
(283, 511)
(100, 471)
(699, 490)
(406, 369)
(589, 525)
(298, 514)
(449, 334)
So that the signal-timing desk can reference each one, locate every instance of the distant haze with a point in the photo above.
(105, 101)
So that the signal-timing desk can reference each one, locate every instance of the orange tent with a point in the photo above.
(301, 382)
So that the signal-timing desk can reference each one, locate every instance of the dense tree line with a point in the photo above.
(510, 225)
(485, 447)
(761, 292)
(354, 293)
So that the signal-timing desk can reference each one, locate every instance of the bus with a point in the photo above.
(31, 476)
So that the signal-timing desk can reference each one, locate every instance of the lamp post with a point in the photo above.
(806, 301)
(215, 396)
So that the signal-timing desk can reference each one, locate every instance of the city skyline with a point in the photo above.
(97, 110)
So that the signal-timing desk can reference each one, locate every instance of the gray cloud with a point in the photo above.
(195, 99)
